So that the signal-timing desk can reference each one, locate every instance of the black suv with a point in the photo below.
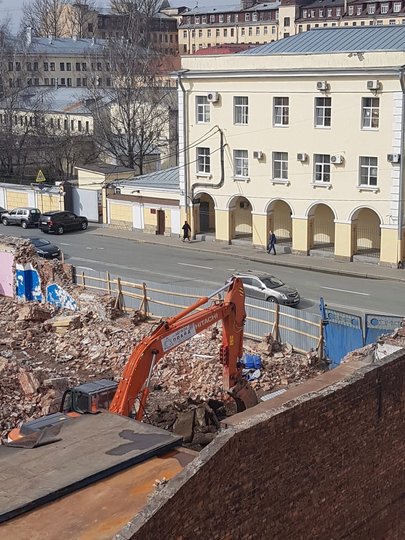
(60, 222)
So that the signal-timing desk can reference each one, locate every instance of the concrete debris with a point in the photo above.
(38, 363)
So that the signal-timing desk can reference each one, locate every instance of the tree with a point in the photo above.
(81, 15)
(134, 115)
(137, 19)
(46, 17)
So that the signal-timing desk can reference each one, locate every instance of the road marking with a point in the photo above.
(87, 247)
(231, 269)
(196, 266)
(344, 290)
(86, 268)
(63, 244)
(99, 248)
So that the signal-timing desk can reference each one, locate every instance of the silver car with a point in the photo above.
(24, 216)
(269, 288)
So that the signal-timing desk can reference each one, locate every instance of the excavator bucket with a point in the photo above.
(244, 395)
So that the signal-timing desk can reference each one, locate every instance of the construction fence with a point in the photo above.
(303, 330)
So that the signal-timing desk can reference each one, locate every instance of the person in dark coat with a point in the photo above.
(186, 231)
(272, 243)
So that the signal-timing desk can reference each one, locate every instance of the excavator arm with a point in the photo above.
(172, 332)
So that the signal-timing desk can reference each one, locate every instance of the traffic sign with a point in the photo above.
(40, 177)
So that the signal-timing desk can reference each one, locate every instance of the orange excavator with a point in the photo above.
(128, 397)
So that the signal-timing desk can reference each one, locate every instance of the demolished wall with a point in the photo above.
(26, 276)
(329, 464)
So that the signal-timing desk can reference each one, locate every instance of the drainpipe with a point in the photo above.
(402, 167)
(221, 182)
(185, 168)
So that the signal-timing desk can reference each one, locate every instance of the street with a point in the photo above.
(190, 268)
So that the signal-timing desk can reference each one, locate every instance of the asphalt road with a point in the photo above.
(168, 264)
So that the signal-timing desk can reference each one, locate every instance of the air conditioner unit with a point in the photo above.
(394, 158)
(373, 85)
(302, 156)
(244, 205)
(213, 97)
(322, 86)
(337, 159)
(258, 154)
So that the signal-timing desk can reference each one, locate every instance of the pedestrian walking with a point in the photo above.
(186, 231)
(272, 243)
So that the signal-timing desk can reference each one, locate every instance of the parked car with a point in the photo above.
(2, 211)
(60, 222)
(24, 216)
(44, 248)
(269, 288)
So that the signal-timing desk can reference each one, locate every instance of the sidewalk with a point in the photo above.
(314, 264)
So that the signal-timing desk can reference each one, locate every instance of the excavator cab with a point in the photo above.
(89, 397)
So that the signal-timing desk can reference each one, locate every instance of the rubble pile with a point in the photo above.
(44, 350)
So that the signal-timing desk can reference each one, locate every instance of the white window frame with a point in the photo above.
(368, 171)
(359, 10)
(323, 112)
(351, 10)
(241, 164)
(240, 110)
(247, 17)
(322, 169)
(370, 113)
(396, 7)
(281, 111)
(371, 9)
(203, 161)
(384, 9)
(280, 166)
(338, 11)
(202, 110)
(220, 18)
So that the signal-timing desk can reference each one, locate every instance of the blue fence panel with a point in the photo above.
(343, 333)
(377, 325)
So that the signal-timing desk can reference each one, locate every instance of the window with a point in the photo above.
(321, 13)
(286, 21)
(240, 110)
(68, 66)
(359, 10)
(397, 7)
(69, 81)
(87, 126)
(225, 32)
(321, 168)
(351, 10)
(72, 125)
(84, 66)
(202, 110)
(217, 32)
(46, 81)
(63, 81)
(242, 31)
(184, 34)
(250, 31)
(329, 12)
(221, 18)
(323, 111)
(90, 27)
(78, 82)
(204, 19)
(371, 9)
(79, 125)
(46, 66)
(212, 18)
(338, 12)
(384, 9)
(78, 66)
(370, 113)
(203, 161)
(200, 33)
(254, 17)
(265, 30)
(10, 66)
(304, 14)
(29, 66)
(197, 20)
(52, 66)
(280, 166)
(229, 18)
(62, 66)
(18, 66)
(65, 124)
(209, 32)
(247, 17)
(257, 30)
(368, 171)
(240, 158)
(281, 111)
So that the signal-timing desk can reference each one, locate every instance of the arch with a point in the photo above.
(234, 199)
(355, 212)
(312, 207)
(279, 220)
(204, 214)
(240, 219)
(366, 230)
(321, 219)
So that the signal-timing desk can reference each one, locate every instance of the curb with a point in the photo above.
(333, 271)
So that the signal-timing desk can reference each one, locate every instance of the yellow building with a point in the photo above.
(304, 137)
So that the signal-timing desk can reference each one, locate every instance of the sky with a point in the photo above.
(13, 8)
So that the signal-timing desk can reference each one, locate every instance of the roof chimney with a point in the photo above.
(28, 35)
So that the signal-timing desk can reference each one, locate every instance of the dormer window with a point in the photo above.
(329, 12)
(221, 18)
(384, 9)
(321, 13)
(351, 10)
(371, 9)
(254, 16)
(212, 18)
(338, 12)
(247, 17)
(397, 7)
(304, 13)
(359, 10)
(197, 20)
(204, 19)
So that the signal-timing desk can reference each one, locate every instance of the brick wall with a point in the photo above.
(328, 465)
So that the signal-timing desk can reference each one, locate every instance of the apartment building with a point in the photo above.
(67, 62)
(253, 23)
(304, 136)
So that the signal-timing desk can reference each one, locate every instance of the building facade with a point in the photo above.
(303, 137)
(253, 23)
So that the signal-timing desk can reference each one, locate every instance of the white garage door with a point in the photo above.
(137, 216)
(175, 219)
(85, 203)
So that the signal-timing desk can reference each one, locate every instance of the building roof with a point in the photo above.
(65, 46)
(210, 10)
(265, 6)
(335, 40)
(52, 99)
(223, 48)
(104, 168)
(167, 179)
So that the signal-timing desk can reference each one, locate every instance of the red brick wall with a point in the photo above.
(328, 466)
